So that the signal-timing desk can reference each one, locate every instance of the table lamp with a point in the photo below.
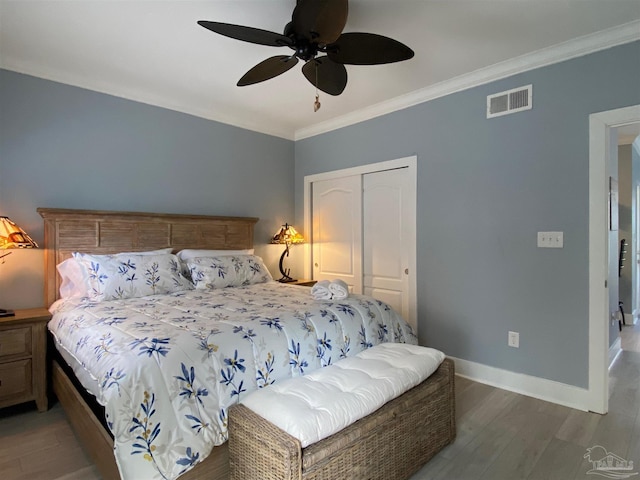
(12, 236)
(287, 235)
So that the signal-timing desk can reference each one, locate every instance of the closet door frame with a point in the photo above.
(405, 162)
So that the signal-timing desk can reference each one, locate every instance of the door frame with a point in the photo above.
(406, 162)
(635, 248)
(600, 126)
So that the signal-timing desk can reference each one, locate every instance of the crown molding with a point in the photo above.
(626, 33)
(602, 40)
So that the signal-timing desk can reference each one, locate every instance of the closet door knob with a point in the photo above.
(406, 271)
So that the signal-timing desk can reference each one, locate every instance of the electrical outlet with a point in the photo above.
(514, 339)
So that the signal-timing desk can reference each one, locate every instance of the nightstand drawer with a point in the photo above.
(15, 342)
(15, 380)
(23, 358)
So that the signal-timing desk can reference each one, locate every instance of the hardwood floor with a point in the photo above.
(501, 435)
(506, 436)
(41, 446)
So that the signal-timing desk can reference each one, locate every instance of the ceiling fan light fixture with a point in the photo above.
(315, 27)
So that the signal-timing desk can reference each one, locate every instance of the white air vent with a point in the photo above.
(511, 101)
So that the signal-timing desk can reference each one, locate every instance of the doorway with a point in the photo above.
(635, 255)
(601, 138)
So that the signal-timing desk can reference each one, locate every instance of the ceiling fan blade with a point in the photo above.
(247, 34)
(328, 76)
(269, 68)
(367, 49)
(320, 21)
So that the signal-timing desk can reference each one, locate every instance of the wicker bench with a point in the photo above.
(391, 443)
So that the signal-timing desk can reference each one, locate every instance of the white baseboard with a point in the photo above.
(614, 351)
(541, 388)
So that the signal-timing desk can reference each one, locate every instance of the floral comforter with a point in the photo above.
(168, 367)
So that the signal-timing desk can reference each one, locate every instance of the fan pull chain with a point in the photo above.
(316, 104)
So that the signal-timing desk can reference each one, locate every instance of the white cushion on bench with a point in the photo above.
(327, 400)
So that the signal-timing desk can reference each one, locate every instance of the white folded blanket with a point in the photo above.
(320, 291)
(339, 289)
(326, 290)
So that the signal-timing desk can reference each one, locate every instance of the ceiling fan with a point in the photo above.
(315, 35)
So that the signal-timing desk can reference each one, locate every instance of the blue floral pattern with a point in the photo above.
(227, 271)
(123, 276)
(170, 367)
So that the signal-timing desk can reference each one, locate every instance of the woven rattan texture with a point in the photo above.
(390, 444)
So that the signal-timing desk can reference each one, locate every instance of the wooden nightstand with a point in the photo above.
(303, 283)
(23, 353)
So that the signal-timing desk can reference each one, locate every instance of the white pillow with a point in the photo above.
(227, 271)
(75, 279)
(188, 254)
(122, 276)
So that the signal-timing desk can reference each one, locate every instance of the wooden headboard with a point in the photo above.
(102, 232)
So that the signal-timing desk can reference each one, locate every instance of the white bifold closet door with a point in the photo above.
(385, 240)
(337, 230)
(362, 227)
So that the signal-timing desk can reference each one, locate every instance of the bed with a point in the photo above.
(268, 306)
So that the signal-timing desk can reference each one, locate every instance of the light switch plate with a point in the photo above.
(550, 239)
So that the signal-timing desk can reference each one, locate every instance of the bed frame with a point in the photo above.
(104, 232)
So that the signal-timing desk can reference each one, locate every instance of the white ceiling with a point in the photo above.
(154, 52)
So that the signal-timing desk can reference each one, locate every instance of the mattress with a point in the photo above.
(167, 367)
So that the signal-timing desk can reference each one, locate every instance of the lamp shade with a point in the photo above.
(287, 235)
(12, 236)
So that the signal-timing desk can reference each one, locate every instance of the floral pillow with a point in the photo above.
(227, 271)
(74, 278)
(132, 275)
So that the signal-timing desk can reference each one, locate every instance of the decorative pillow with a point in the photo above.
(227, 271)
(75, 278)
(188, 254)
(134, 275)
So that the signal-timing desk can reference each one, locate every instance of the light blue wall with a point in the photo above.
(66, 147)
(485, 188)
